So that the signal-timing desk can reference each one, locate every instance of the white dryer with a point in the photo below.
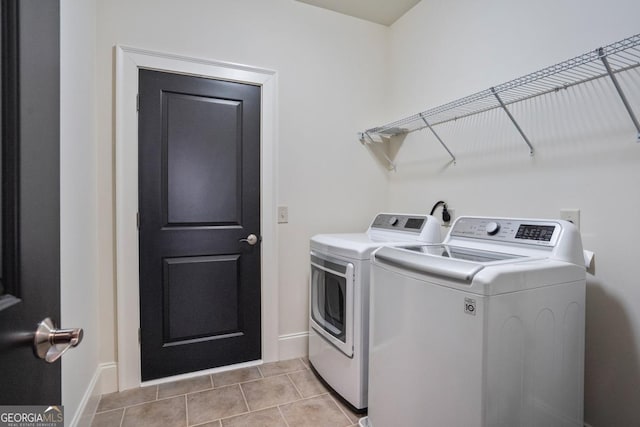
(485, 329)
(339, 298)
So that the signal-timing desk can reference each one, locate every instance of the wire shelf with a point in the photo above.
(617, 57)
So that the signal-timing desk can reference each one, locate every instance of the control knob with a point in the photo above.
(492, 228)
(393, 220)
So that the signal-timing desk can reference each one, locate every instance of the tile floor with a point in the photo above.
(282, 394)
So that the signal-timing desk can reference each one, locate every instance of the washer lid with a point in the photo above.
(462, 253)
(457, 263)
(476, 271)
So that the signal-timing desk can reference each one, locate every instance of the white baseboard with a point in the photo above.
(108, 377)
(295, 345)
(102, 380)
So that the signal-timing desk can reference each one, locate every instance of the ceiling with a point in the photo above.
(384, 12)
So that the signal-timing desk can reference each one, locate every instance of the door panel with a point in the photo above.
(201, 297)
(31, 197)
(203, 186)
(199, 195)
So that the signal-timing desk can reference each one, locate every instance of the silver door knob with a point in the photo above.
(50, 343)
(251, 239)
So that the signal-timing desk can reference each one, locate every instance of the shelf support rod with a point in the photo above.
(634, 119)
(438, 137)
(392, 166)
(513, 120)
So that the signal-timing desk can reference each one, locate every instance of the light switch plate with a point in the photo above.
(283, 214)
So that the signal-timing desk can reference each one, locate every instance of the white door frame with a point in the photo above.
(128, 62)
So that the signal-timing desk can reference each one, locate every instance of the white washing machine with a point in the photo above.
(485, 329)
(339, 298)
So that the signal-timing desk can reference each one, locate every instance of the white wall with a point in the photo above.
(331, 74)
(78, 201)
(586, 154)
(338, 75)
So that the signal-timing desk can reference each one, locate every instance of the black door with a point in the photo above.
(199, 197)
(30, 283)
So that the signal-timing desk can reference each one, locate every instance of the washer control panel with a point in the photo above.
(410, 223)
(492, 228)
(535, 232)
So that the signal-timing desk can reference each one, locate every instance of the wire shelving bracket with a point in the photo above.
(438, 138)
(513, 120)
(603, 56)
(607, 61)
(366, 138)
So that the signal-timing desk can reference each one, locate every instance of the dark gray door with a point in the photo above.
(199, 197)
(30, 283)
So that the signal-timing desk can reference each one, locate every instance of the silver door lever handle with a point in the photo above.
(251, 239)
(50, 343)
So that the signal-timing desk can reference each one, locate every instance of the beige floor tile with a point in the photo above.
(235, 377)
(108, 419)
(211, 405)
(354, 417)
(307, 383)
(270, 391)
(166, 413)
(127, 398)
(320, 411)
(282, 367)
(190, 385)
(216, 423)
(302, 398)
(265, 418)
(305, 361)
(351, 414)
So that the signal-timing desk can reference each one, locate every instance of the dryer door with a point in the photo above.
(331, 300)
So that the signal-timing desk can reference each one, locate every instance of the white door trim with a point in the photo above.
(128, 61)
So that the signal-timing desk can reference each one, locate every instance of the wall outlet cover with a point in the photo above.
(571, 215)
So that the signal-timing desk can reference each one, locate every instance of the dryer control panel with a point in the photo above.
(401, 222)
(523, 231)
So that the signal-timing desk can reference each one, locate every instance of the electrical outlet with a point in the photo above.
(283, 214)
(571, 215)
(452, 213)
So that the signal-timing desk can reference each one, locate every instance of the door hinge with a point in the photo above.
(137, 102)
(138, 220)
